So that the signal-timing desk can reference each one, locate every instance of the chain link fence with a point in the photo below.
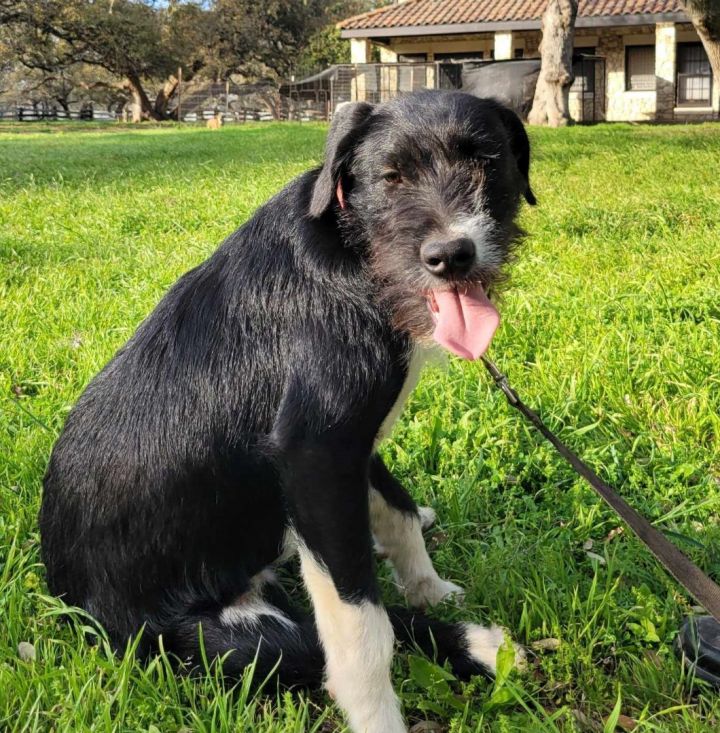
(317, 96)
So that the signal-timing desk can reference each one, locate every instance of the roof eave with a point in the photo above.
(605, 21)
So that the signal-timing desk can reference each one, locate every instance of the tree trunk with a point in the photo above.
(705, 16)
(164, 96)
(63, 102)
(551, 105)
(142, 109)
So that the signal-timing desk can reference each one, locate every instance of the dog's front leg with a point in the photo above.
(397, 524)
(327, 492)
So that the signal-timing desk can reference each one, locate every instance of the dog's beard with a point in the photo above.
(407, 309)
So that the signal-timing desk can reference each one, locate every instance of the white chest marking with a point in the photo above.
(418, 359)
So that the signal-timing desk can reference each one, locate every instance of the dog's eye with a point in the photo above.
(392, 177)
(481, 158)
(484, 156)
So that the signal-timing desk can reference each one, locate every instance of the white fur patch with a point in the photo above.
(399, 535)
(482, 230)
(483, 643)
(417, 361)
(250, 608)
(358, 642)
(289, 546)
(427, 517)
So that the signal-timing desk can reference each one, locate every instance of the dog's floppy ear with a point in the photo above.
(345, 131)
(520, 146)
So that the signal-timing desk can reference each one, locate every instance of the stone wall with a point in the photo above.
(665, 71)
(621, 104)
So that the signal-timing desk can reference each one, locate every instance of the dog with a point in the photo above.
(215, 122)
(239, 425)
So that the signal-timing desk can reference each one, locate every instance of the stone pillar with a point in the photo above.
(503, 45)
(359, 54)
(387, 55)
(388, 74)
(610, 45)
(359, 51)
(665, 70)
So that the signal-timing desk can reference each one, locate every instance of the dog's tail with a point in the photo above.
(286, 649)
(278, 648)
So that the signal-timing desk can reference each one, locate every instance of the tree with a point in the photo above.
(705, 16)
(136, 41)
(143, 42)
(71, 86)
(250, 36)
(325, 47)
(551, 103)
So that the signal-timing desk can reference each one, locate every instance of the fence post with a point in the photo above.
(179, 106)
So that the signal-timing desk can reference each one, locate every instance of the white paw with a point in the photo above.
(427, 517)
(483, 644)
(432, 590)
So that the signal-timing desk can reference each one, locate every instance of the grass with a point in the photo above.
(611, 329)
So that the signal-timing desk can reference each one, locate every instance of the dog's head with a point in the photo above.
(430, 184)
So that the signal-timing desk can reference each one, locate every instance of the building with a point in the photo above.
(654, 65)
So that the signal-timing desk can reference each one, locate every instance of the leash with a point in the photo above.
(684, 570)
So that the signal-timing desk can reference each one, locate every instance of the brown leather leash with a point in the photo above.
(689, 575)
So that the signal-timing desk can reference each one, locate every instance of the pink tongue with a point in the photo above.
(464, 322)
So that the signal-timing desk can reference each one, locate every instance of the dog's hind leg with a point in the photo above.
(397, 526)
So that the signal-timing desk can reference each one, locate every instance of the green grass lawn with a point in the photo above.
(611, 327)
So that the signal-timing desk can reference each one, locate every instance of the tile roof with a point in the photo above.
(451, 12)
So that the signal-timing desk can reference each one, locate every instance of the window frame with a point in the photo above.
(689, 104)
(628, 79)
(449, 56)
(412, 58)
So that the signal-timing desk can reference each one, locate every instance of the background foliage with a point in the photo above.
(139, 45)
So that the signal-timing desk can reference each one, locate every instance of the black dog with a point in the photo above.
(241, 419)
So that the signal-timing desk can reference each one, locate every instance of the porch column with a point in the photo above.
(503, 45)
(665, 70)
(359, 50)
(388, 74)
(359, 54)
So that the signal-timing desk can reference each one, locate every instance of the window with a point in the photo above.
(412, 57)
(694, 76)
(519, 53)
(640, 68)
(458, 56)
(583, 71)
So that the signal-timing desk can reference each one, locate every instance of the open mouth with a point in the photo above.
(465, 319)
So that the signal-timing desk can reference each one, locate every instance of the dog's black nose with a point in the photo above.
(444, 259)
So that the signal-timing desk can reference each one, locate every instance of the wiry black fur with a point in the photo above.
(252, 395)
